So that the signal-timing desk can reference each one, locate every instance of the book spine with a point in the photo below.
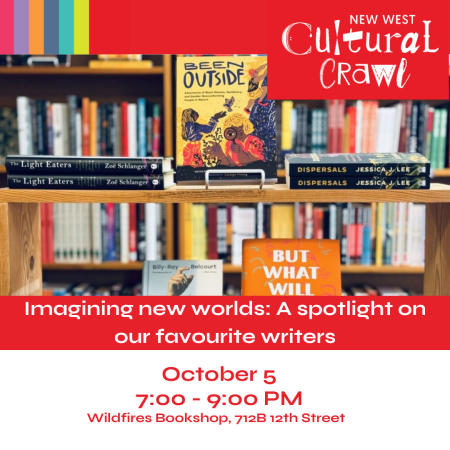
(435, 139)
(40, 127)
(33, 120)
(85, 106)
(117, 118)
(22, 124)
(368, 182)
(361, 169)
(96, 214)
(111, 232)
(57, 126)
(72, 111)
(141, 231)
(221, 232)
(344, 234)
(16, 181)
(132, 130)
(156, 131)
(93, 112)
(124, 113)
(117, 226)
(212, 232)
(78, 134)
(104, 231)
(133, 232)
(442, 139)
(125, 233)
(110, 130)
(141, 127)
(151, 231)
(49, 127)
(84, 166)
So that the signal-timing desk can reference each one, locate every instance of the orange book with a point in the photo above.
(85, 105)
(93, 129)
(291, 267)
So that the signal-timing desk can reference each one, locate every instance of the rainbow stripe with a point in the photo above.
(44, 27)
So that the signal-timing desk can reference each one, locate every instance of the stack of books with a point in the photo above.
(358, 171)
(52, 172)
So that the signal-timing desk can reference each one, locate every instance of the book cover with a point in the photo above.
(288, 267)
(224, 119)
(9, 144)
(181, 277)
(363, 164)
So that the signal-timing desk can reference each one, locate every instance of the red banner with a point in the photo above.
(353, 50)
(224, 323)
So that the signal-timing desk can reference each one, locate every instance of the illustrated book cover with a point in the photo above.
(181, 277)
(291, 267)
(224, 119)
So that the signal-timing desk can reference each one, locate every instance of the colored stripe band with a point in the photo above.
(66, 27)
(21, 27)
(51, 27)
(81, 27)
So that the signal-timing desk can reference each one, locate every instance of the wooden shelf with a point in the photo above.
(228, 268)
(439, 193)
(157, 70)
(2, 169)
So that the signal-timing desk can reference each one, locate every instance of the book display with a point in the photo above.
(110, 134)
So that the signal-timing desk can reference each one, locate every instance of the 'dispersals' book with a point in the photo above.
(224, 119)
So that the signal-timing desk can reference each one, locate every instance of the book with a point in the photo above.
(348, 165)
(99, 165)
(291, 267)
(156, 182)
(9, 143)
(224, 119)
(358, 182)
(182, 277)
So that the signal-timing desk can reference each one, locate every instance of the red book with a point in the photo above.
(351, 110)
(358, 233)
(85, 106)
(133, 232)
(124, 108)
(340, 117)
(50, 234)
(318, 223)
(44, 247)
(301, 221)
(212, 232)
(156, 148)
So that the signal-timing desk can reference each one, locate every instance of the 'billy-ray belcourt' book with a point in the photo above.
(61, 165)
(178, 277)
(357, 164)
(224, 119)
(138, 182)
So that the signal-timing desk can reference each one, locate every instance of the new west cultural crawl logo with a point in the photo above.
(332, 71)
(329, 52)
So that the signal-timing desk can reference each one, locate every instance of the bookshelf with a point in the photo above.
(437, 173)
(20, 259)
(56, 71)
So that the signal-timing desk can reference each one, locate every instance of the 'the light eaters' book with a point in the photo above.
(224, 119)
(291, 267)
(181, 277)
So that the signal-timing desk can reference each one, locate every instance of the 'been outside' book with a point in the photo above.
(361, 164)
(178, 277)
(224, 119)
(87, 165)
(289, 267)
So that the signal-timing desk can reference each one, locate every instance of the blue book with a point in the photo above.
(366, 257)
(142, 127)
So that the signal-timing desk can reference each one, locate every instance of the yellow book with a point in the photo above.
(286, 129)
(96, 64)
(289, 222)
(93, 128)
(188, 230)
(381, 218)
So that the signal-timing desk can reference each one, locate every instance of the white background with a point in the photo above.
(391, 400)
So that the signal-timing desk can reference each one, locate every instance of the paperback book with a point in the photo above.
(291, 267)
(362, 164)
(178, 277)
(358, 182)
(86, 165)
(146, 182)
(224, 119)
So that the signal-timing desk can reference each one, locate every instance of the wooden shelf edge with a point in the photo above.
(439, 193)
(228, 268)
(157, 70)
